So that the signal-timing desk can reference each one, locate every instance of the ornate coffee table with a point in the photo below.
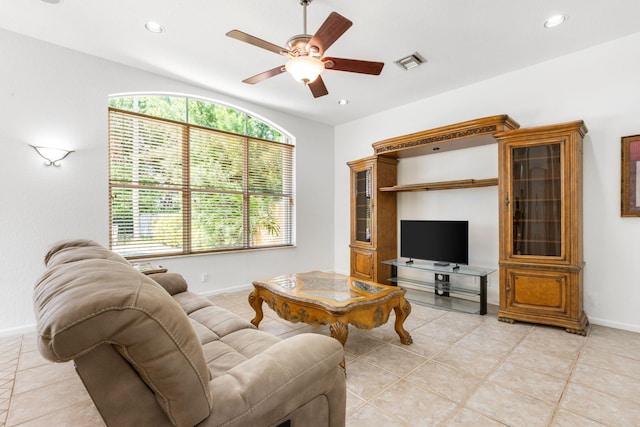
(319, 298)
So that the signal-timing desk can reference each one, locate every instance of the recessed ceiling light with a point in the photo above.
(555, 20)
(52, 1)
(343, 102)
(154, 27)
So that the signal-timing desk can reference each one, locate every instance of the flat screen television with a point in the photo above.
(435, 240)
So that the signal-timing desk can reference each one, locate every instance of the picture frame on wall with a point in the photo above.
(630, 176)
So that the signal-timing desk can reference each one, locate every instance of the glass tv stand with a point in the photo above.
(458, 288)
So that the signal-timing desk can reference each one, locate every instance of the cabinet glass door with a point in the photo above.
(537, 200)
(363, 206)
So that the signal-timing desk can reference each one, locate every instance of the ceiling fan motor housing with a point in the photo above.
(299, 46)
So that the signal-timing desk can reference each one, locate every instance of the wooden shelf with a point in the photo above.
(444, 185)
(472, 133)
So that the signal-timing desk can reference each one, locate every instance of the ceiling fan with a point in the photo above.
(305, 53)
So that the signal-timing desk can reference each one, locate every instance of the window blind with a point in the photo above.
(177, 188)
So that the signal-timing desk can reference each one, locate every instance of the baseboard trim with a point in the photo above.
(226, 290)
(20, 330)
(615, 325)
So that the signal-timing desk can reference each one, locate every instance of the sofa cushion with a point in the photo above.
(235, 348)
(249, 343)
(219, 320)
(227, 339)
(283, 376)
(134, 314)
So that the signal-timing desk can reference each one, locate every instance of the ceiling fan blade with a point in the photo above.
(353, 65)
(330, 30)
(248, 38)
(318, 88)
(264, 75)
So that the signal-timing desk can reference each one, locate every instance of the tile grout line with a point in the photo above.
(365, 401)
(427, 360)
(13, 383)
(368, 401)
(557, 409)
(399, 379)
(43, 416)
(463, 403)
(571, 372)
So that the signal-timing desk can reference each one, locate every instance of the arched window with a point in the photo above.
(190, 176)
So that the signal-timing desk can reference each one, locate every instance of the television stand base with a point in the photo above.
(447, 288)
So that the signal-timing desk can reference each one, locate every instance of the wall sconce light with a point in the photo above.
(51, 155)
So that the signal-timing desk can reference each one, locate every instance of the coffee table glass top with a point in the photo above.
(335, 289)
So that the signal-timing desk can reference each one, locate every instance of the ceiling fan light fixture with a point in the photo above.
(304, 69)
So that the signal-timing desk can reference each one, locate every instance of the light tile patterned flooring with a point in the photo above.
(461, 370)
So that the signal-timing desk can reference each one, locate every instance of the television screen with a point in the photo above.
(440, 241)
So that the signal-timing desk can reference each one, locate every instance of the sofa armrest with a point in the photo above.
(171, 282)
(274, 383)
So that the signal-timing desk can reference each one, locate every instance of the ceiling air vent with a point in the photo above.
(411, 61)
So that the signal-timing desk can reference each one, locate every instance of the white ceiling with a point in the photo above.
(464, 41)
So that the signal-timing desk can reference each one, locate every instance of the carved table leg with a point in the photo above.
(339, 331)
(402, 310)
(256, 302)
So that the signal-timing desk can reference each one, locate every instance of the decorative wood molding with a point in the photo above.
(452, 137)
(560, 128)
(444, 185)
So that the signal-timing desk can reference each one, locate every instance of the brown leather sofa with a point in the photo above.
(151, 353)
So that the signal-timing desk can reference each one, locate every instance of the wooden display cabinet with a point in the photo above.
(374, 187)
(373, 217)
(540, 188)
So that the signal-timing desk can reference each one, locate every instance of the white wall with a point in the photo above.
(54, 96)
(601, 86)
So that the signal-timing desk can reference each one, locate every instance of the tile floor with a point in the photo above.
(461, 370)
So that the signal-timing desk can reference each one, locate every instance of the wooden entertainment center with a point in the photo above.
(540, 198)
